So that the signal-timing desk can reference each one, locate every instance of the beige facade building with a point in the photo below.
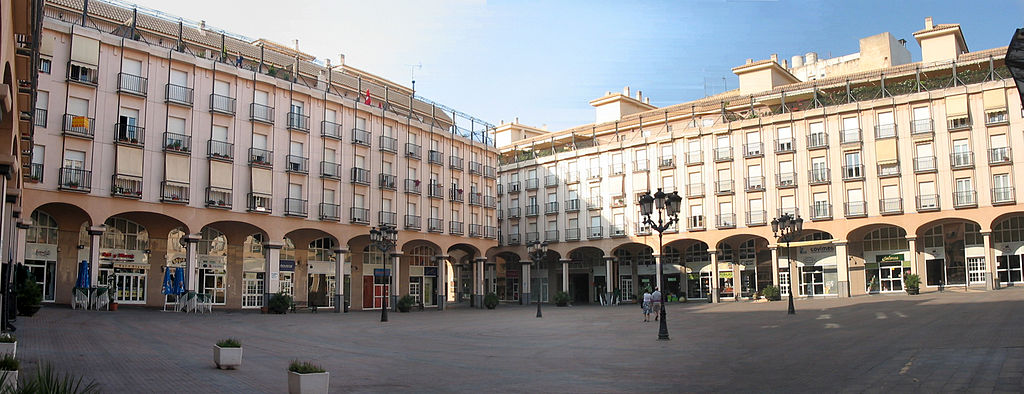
(896, 167)
(162, 143)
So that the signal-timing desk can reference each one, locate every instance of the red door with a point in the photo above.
(368, 292)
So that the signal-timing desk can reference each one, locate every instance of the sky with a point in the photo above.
(543, 61)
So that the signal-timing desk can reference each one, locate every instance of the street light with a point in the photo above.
(665, 204)
(384, 239)
(537, 251)
(786, 228)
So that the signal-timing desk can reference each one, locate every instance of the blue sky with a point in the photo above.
(544, 60)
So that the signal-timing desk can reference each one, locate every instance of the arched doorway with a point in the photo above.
(586, 275)
(886, 259)
(954, 254)
(212, 262)
(422, 273)
(1008, 242)
(124, 259)
(321, 273)
(376, 276)
(697, 261)
(816, 265)
(41, 253)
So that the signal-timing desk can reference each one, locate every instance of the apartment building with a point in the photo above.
(163, 143)
(895, 166)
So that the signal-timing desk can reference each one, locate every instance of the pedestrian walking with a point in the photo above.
(646, 304)
(656, 302)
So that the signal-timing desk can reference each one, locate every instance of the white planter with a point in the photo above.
(227, 357)
(308, 383)
(9, 348)
(10, 380)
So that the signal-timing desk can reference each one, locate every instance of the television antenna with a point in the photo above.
(412, 72)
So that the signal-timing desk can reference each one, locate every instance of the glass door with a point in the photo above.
(212, 282)
(783, 281)
(975, 270)
(130, 285)
(891, 277)
(813, 281)
(1009, 269)
(252, 287)
(44, 274)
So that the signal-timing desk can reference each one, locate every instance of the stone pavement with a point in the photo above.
(927, 343)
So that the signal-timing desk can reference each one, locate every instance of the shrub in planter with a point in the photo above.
(9, 369)
(8, 344)
(912, 283)
(405, 303)
(279, 303)
(771, 293)
(491, 300)
(561, 298)
(45, 380)
(227, 354)
(306, 377)
(29, 293)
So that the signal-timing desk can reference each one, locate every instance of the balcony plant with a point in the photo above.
(912, 282)
(9, 367)
(306, 377)
(561, 298)
(227, 353)
(491, 301)
(405, 303)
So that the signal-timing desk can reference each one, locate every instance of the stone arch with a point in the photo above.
(68, 216)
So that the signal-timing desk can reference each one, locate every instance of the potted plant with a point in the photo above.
(279, 303)
(227, 353)
(306, 377)
(912, 282)
(8, 344)
(561, 298)
(9, 367)
(405, 303)
(491, 300)
(29, 293)
(771, 293)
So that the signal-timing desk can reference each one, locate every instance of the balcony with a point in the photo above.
(961, 160)
(532, 236)
(298, 122)
(455, 162)
(258, 202)
(724, 187)
(757, 218)
(572, 205)
(817, 141)
(126, 186)
(412, 151)
(387, 182)
(667, 162)
(928, 202)
(132, 84)
(515, 239)
(997, 156)
(693, 158)
(435, 190)
(361, 137)
(819, 176)
(435, 225)
(595, 232)
(455, 228)
(385, 218)
(174, 192)
(218, 198)
(129, 134)
(476, 167)
(572, 234)
(695, 190)
(490, 172)
(490, 202)
(785, 180)
(513, 212)
(925, 164)
(754, 184)
(261, 113)
(261, 157)
(851, 136)
(412, 186)
(297, 164)
(222, 104)
(1003, 195)
(532, 184)
(996, 117)
(79, 126)
(725, 220)
(695, 223)
(965, 199)
(551, 208)
(821, 211)
(330, 212)
(853, 172)
(532, 210)
(181, 95)
(753, 149)
(455, 195)
(572, 177)
(177, 143)
(856, 209)
(594, 203)
(295, 207)
(792, 211)
(39, 117)
(359, 215)
(785, 145)
(388, 144)
(551, 236)
(330, 170)
(885, 131)
(490, 232)
(35, 172)
(723, 154)
(550, 181)
(513, 187)
(889, 169)
(475, 198)
(85, 74)
(618, 201)
(616, 231)
(594, 173)
(921, 127)
(641, 165)
(360, 176)
(890, 206)
(642, 229)
(330, 130)
(435, 157)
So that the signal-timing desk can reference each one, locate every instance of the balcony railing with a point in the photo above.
(514, 212)
(218, 198)
(298, 121)
(785, 145)
(595, 232)
(667, 162)
(132, 84)
(490, 232)
(785, 179)
(885, 131)
(616, 230)
(757, 218)
(181, 95)
(723, 154)
(725, 220)
(412, 186)
(490, 172)
(819, 176)
(594, 203)
(965, 199)
(476, 167)
(572, 234)
(360, 176)
(572, 177)
(532, 210)
(928, 202)
(490, 202)
(551, 207)
(1003, 195)
(961, 160)
(551, 235)
(412, 150)
(387, 182)
(754, 183)
(514, 187)
(550, 180)
(888, 169)
(330, 170)
(792, 211)
(359, 215)
(455, 228)
(79, 126)
(724, 187)
(258, 202)
(388, 144)
(642, 229)
(641, 165)
(999, 156)
(297, 164)
(695, 223)
(39, 117)
(921, 126)
(435, 190)
(890, 206)
(129, 134)
(178, 143)
(853, 172)
(821, 211)
(82, 73)
(475, 198)
(261, 157)
(532, 236)
(35, 172)
(856, 209)
(515, 239)
(695, 190)
(435, 225)
(126, 186)
(222, 104)
(435, 157)
(694, 157)
(753, 149)
(925, 164)
(532, 183)
(330, 130)
(572, 205)
(455, 162)
(360, 137)
(850, 136)
(817, 140)
(996, 117)
(295, 207)
(594, 173)
(330, 212)
(456, 195)
(387, 218)
(261, 113)
(176, 192)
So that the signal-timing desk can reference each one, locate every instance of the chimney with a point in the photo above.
(902, 42)
(647, 100)
(750, 61)
(341, 59)
(639, 95)
(295, 44)
(625, 91)
(517, 120)
(775, 57)
(328, 62)
(928, 25)
(785, 63)
(202, 25)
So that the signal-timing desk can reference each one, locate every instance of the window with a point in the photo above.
(788, 204)
(926, 197)
(886, 127)
(852, 168)
(821, 207)
(44, 65)
(816, 135)
(922, 121)
(1002, 191)
(924, 157)
(785, 141)
(819, 170)
(964, 192)
(753, 146)
(961, 153)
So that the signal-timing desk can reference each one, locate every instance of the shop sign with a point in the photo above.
(889, 258)
(381, 272)
(131, 265)
(432, 271)
(817, 254)
(671, 278)
(34, 251)
(123, 256)
(288, 265)
(726, 274)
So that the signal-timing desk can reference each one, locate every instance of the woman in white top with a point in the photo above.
(647, 305)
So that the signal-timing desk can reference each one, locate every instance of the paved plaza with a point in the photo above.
(934, 342)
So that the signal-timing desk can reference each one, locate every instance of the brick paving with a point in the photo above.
(933, 342)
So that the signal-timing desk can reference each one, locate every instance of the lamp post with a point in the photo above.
(384, 238)
(537, 251)
(667, 205)
(786, 228)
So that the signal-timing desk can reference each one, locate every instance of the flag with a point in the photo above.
(1015, 60)
(367, 101)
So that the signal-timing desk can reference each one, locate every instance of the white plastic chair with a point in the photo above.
(81, 298)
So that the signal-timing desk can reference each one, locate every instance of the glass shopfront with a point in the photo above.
(885, 275)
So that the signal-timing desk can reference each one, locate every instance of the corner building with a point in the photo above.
(896, 166)
(161, 143)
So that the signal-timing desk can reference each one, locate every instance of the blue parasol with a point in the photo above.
(83, 275)
(168, 285)
(179, 281)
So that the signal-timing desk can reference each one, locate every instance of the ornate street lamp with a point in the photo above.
(537, 251)
(384, 238)
(786, 228)
(667, 205)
